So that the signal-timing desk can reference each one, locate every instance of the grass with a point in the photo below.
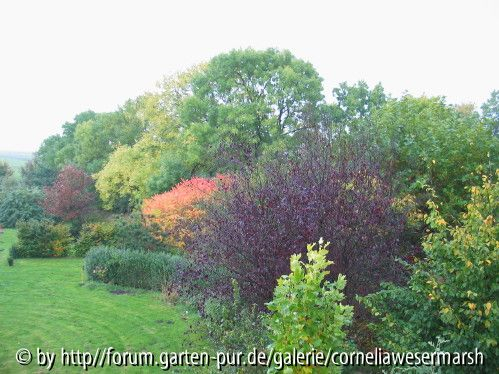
(47, 303)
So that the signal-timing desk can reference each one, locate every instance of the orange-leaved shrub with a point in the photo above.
(170, 213)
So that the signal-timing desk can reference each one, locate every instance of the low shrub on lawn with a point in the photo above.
(130, 268)
(42, 239)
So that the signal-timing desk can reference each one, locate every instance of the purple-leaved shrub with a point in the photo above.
(271, 211)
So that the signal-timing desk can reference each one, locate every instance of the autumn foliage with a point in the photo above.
(173, 211)
(70, 197)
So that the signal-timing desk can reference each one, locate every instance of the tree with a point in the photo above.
(97, 138)
(354, 105)
(5, 170)
(490, 112)
(20, 204)
(251, 99)
(123, 182)
(70, 197)
(55, 152)
(158, 160)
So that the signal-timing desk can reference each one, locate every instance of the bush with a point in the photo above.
(93, 235)
(307, 313)
(20, 204)
(171, 210)
(453, 292)
(269, 212)
(128, 268)
(42, 239)
(232, 325)
(10, 261)
(123, 232)
(131, 233)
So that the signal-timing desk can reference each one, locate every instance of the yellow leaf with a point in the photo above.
(489, 220)
(488, 307)
(472, 306)
(441, 222)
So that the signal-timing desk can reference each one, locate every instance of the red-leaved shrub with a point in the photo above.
(173, 211)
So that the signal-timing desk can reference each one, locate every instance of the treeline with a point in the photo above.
(248, 104)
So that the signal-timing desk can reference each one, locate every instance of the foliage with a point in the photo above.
(429, 143)
(70, 197)
(93, 235)
(121, 232)
(20, 204)
(122, 183)
(354, 105)
(233, 326)
(269, 212)
(453, 292)
(37, 174)
(171, 211)
(251, 99)
(42, 239)
(307, 313)
(5, 170)
(131, 233)
(490, 112)
(95, 139)
(137, 269)
(172, 169)
(136, 170)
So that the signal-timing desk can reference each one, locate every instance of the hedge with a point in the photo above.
(130, 268)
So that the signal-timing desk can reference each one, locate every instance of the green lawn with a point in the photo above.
(47, 303)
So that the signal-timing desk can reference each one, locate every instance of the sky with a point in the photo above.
(59, 58)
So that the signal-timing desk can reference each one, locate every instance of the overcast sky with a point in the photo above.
(58, 58)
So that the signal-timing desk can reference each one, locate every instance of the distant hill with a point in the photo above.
(16, 160)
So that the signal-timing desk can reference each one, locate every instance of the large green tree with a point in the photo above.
(250, 99)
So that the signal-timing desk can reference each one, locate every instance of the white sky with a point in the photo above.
(58, 58)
